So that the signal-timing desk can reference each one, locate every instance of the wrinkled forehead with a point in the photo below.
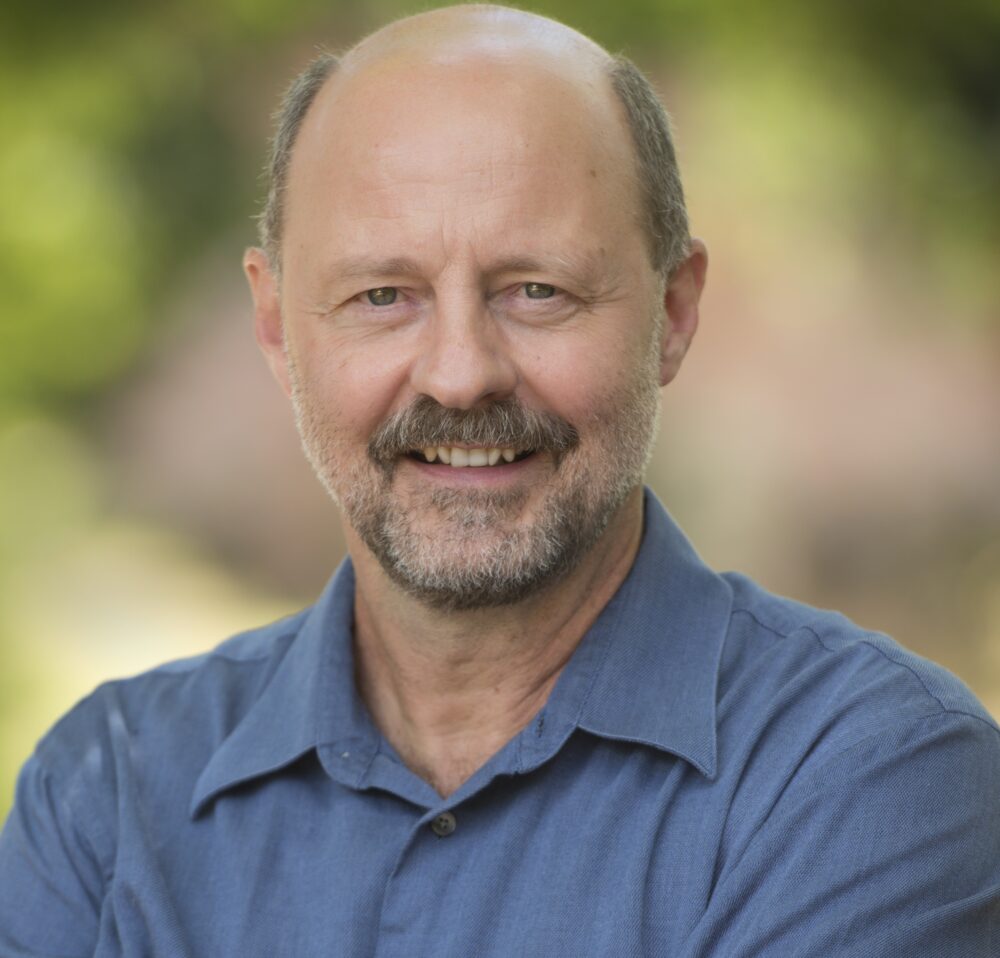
(518, 111)
(463, 130)
(399, 102)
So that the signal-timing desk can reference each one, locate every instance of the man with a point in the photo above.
(523, 719)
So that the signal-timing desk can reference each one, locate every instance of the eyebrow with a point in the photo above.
(353, 267)
(577, 264)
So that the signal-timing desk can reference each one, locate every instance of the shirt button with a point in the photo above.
(443, 825)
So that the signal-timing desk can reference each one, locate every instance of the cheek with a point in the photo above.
(352, 389)
(577, 392)
(581, 379)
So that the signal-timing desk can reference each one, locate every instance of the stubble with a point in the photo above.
(457, 549)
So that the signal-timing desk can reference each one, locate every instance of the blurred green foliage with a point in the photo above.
(133, 135)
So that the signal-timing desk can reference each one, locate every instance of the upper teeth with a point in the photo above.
(456, 456)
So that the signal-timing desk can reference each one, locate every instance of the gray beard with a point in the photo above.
(508, 568)
(480, 557)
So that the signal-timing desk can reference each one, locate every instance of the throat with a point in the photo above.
(447, 771)
(446, 713)
(445, 755)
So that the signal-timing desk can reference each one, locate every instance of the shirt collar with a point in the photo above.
(645, 672)
(309, 701)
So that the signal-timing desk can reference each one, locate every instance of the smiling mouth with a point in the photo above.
(457, 456)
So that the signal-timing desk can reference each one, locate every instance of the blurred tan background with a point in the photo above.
(835, 433)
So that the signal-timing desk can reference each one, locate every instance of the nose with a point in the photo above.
(464, 360)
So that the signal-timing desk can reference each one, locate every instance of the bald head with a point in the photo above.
(514, 58)
(480, 32)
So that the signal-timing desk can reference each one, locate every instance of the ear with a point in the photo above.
(268, 326)
(680, 301)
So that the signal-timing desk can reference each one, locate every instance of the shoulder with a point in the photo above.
(858, 787)
(821, 658)
(226, 679)
(123, 761)
(180, 711)
(811, 706)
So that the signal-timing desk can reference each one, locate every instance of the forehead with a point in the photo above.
(473, 139)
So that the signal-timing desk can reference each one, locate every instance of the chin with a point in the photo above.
(477, 559)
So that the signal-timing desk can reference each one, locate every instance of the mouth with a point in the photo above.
(462, 456)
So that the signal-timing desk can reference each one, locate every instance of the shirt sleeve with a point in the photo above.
(890, 847)
(50, 878)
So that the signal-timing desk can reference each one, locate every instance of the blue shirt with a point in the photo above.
(718, 772)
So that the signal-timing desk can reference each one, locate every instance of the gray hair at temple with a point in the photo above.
(661, 193)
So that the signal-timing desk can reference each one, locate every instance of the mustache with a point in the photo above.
(506, 424)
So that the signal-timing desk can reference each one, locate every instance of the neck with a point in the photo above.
(449, 689)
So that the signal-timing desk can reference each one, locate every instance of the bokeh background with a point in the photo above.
(835, 432)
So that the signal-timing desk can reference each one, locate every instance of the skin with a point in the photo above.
(483, 147)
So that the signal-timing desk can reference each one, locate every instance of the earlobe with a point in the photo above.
(680, 301)
(269, 327)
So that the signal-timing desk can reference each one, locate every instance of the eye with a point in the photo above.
(539, 290)
(382, 295)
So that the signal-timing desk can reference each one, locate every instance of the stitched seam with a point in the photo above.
(865, 638)
(893, 729)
